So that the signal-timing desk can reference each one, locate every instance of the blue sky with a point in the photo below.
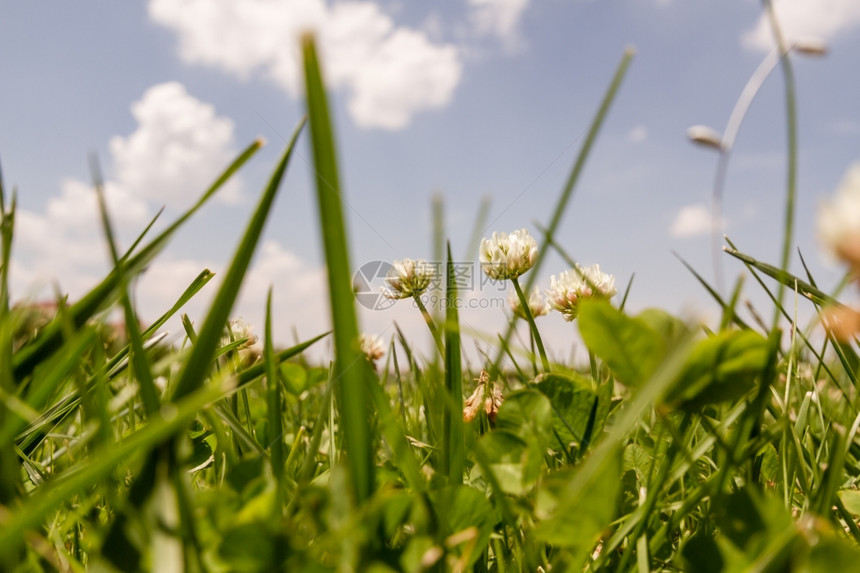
(466, 99)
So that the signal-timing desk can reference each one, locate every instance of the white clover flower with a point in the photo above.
(839, 219)
(507, 256)
(372, 346)
(241, 329)
(407, 278)
(571, 286)
(252, 348)
(538, 305)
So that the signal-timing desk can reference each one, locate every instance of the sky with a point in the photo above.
(468, 101)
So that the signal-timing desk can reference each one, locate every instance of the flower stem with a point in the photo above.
(527, 311)
(430, 324)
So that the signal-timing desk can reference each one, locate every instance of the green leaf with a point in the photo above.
(461, 509)
(527, 414)
(629, 346)
(507, 456)
(851, 499)
(252, 548)
(829, 555)
(295, 377)
(571, 402)
(720, 368)
(573, 512)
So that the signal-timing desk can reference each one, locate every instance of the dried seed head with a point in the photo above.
(707, 136)
(814, 47)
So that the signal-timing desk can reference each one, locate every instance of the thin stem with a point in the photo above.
(791, 139)
(430, 324)
(728, 141)
(524, 303)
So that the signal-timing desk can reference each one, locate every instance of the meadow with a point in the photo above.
(678, 446)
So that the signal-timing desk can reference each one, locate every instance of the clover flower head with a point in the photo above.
(569, 287)
(372, 346)
(242, 330)
(839, 220)
(407, 278)
(508, 255)
(538, 305)
(251, 349)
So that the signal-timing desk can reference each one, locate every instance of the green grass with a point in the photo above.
(726, 447)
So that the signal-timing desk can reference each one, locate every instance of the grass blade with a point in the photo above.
(785, 278)
(351, 369)
(52, 336)
(569, 186)
(453, 446)
(195, 369)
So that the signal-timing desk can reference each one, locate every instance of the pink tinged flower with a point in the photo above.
(508, 255)
(570, 287)
(407, 278)
(538, 305)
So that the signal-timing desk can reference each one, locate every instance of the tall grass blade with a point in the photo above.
(197, 366)
(453, 445)
(351, 369)
(478, 229)
(273, 400)
(437, 213)
(791, 143)
(100, 464)
(9, 465)
(786, 279)
(139, 360)
(570, 185)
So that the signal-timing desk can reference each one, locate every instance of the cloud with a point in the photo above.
(299, 299)
(500, 18)
(825, 19)
(178, 149)
(846, 127)
(694, 220)
(637, 134)
(66, 243)
(390, 72)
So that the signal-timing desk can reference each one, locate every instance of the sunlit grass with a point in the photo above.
(680, 446)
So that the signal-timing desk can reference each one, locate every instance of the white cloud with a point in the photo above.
(846, 127)
(500, 18)
(66, 242)
(390, 72)
(694, 220)
(179, 148)
(825, 19)
(298, 292)
(637, 134)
